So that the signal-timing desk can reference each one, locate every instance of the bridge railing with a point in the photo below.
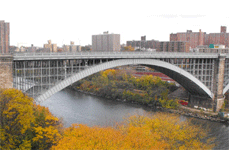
(77, 53)
(111, 53)
(5, 55)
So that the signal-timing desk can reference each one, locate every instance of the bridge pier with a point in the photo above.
(218, 84)
(6, 75)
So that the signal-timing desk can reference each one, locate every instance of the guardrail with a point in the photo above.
(77, 53)
(109, 53)
(6, 55)
(85, 55)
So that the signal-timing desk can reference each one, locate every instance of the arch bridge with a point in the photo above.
(41, 75)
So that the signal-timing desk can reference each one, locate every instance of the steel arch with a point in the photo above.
(226, 89)
(187, 80)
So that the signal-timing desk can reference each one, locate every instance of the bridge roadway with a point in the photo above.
(202, 74)
(88, 55)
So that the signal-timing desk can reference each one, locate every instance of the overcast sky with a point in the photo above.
(62, 21)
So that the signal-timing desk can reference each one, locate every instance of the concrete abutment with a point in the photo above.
(6, 75)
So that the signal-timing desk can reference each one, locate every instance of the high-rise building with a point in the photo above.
(106, 42)
(4, 36)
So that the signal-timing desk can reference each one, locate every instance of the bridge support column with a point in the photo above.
(6, 75)
(218, 91)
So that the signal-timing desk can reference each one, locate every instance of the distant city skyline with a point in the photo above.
(35, 22)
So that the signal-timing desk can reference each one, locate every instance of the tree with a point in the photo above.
(24, 125)
(16, 115)
(160, 131)
(46, 128)
(128, 48)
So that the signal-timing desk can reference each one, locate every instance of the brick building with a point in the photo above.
(218, 38)
(201, 38)
(166, 46)
(106, 42)
(4, 36)
(173, 46)
(143, 43)
(194, 38)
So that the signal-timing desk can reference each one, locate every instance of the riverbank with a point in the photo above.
(181, 110)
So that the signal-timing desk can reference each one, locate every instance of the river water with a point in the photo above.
(77, 107)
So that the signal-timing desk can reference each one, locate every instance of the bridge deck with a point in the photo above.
(99, 55)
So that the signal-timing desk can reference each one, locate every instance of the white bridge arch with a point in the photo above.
(226, 89)
(187, 80)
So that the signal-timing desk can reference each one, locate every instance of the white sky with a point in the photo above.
(62, 21)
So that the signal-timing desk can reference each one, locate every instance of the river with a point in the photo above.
(77, 107)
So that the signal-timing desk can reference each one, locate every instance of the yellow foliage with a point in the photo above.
(25, 145)
(107, 72)
(83, 137)
(129, 48)
(16, 117)
(25, 125)
(46, 128)
(161, 131)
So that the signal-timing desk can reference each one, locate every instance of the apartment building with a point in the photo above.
(106, 42)
(143, 43)
(160, 46)
(71, 48)
(218, 38)
(50, 47)
(201, 38)
(173, 46)
(194, 38)
(4, 36)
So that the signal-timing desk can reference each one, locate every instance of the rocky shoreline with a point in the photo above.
(203, 116)
(182, 110)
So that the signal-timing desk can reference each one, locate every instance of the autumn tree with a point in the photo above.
(129, 48)
(25, 125)
(16, 115)
(160, 131)
(117, 84)
(46, 128)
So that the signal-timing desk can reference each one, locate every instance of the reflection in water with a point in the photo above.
(76, 107)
